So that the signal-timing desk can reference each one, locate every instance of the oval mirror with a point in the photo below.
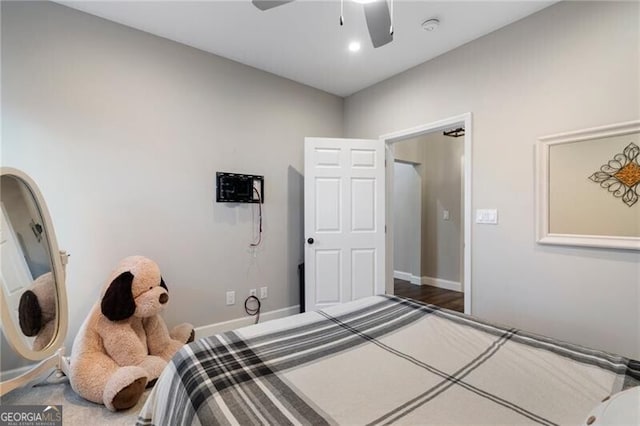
(33, 300)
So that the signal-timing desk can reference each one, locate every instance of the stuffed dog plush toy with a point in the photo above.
(37, 311)
(124, 344)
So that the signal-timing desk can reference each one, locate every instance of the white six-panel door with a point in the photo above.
(344, 214)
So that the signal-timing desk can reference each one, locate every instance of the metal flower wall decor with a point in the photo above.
(621, 175)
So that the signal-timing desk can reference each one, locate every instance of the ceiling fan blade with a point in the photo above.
(269, 4)
(379, 22)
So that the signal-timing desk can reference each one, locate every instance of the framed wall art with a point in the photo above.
(588, 187)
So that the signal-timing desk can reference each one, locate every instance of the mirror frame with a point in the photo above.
(543, 234)
(58, 259)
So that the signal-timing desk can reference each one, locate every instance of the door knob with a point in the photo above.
(310, 240)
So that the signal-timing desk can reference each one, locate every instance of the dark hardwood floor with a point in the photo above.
(453, 300)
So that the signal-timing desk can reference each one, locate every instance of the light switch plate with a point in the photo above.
(487, 216)
(445, 215)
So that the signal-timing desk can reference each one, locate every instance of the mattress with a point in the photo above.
(383, 360)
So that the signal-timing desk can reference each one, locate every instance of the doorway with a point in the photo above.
(442, 163)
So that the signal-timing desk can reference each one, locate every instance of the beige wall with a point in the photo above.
(408, 150)
(578, 205)
(439, 159)
(441, 190)
(124, 132)
(571, 66)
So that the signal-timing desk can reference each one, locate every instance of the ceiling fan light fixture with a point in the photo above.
(377, 13)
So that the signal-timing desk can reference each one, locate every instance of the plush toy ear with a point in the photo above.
(30, 314)
(117, 303)
(162, 284)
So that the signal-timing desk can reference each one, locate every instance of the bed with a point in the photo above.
(383, 360)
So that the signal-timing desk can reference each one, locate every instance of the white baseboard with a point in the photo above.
(435, 282)
(439, 282)
(221, 327)
(407, 276)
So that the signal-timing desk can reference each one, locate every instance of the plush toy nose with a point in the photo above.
(164, 298)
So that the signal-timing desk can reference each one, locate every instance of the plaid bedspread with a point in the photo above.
(383, 360)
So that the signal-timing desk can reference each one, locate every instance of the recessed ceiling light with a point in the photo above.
(354, 46)
(430, 24)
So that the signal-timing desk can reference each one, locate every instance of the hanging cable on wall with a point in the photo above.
(252, 307)
(341, 12)
(252, 304)
(257, 243)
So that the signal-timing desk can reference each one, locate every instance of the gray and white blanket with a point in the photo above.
(382, 360)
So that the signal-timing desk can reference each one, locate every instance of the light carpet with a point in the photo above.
(75, 410)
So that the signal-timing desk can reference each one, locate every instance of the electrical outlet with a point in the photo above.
(445, 214)
(263, 292)
(253, 292)
(231, 298)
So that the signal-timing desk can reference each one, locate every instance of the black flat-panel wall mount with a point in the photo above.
(239, 188)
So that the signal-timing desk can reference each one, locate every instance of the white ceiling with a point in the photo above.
(303, 40)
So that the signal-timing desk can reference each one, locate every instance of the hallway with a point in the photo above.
(448, 299)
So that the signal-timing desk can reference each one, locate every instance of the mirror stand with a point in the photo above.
(58, 362)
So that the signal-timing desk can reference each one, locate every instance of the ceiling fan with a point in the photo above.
(376, 13)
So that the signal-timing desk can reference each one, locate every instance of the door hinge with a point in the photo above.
(385, 229)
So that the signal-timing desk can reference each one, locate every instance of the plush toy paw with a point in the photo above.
(129, 396)
(183, 333)
(124, 388)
